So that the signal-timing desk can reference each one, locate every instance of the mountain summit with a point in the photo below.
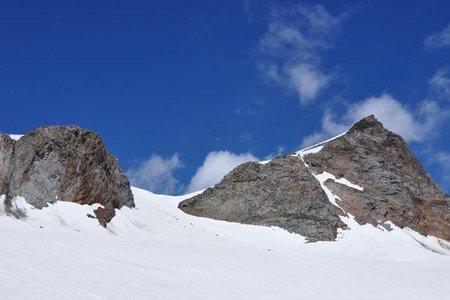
(367, 174)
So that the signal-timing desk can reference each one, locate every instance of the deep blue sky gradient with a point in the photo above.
(159, 77)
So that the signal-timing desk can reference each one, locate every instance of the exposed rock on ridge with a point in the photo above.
(62, 163)
(286, 193)
(281, 193)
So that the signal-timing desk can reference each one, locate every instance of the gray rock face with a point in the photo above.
(6, 151)
(282, 193)
(286, 194)
(62, 163)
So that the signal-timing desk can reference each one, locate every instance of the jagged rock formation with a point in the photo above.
(62, 163)
(286, 193)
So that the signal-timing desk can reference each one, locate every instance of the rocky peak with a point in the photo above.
(372, 129)
(394, 187)
(369, 125)
(62, 163)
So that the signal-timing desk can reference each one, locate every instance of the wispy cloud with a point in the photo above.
(413, 126)
(156, 174)
(438, 40)
(215, 166)
(440, 84)
(292, 46)
(443, 158)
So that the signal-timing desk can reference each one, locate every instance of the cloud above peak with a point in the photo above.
(307, 81)
(413, 126)
(215, 166)
(292, 46)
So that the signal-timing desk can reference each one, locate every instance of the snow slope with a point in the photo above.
(155, 251)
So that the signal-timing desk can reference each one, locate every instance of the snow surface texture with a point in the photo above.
(155, 251)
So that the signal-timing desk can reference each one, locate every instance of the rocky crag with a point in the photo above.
(289, 191)
(63, 163)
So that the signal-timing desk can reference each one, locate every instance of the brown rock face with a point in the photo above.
(62, 163)
(286, 193)
(282, 193)
(396, 186)
(104, 215)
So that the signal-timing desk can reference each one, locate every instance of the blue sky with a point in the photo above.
(181, 91)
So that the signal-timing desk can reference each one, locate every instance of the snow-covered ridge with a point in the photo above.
(310, 149)
(321, 143)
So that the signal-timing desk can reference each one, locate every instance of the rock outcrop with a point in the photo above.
(62, 163)
(281, 193)
(6, 152)
(396, 186)
(286, 193)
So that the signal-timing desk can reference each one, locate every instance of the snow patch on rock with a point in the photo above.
(15, 137)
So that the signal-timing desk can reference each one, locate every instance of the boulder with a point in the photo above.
(62, 163)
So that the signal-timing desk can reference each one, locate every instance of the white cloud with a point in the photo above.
(389, 111)
(319, 19)
(440, 39)
(156, 174)
(329, 129)
(307, 81)
(412, 126)
(440, 84)
(292, 45)
(314, 138)
(443, 158)
(216, 165)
